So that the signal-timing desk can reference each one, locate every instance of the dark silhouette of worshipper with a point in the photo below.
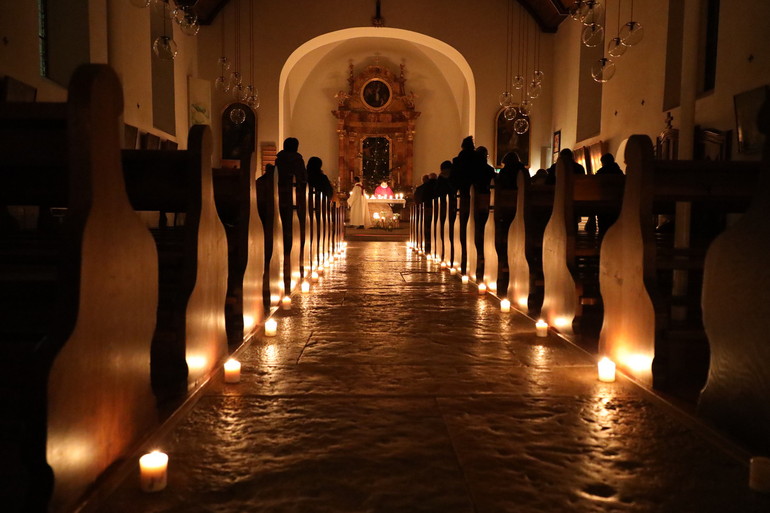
(576, 168)
(290, 166)
(506, 187)
(609, 167)
(464, 167)
(317, 178)
(540, 177)
(265, 208)
(482, 181)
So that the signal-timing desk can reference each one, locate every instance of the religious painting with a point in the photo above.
(376, 94)
(199, 98)
(747, 105)
(507, 140)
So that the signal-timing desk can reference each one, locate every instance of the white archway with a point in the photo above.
(416, 38)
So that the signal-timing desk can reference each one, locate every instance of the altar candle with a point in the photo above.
(606, 370)
(232, 371)
(482, 288)
(286, 302)
(271, 328)
(505, 305)
(759, 474)
(542, 328)
(305, 287)
(153, 471)
(465, 278)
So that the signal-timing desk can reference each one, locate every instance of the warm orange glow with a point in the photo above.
(505, 305)
(153, 471)
(286, 302)
(561, 322)
(493, 286)
(542, 328)
(637, 363)
(443, 265)
(465, 278)
(482, 288)
(522, 302)
(271, 328)
(314, 276)
(452, 270)
(606, 370)
(305, 287)
(232, 371)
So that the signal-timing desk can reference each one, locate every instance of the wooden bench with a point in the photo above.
(636, 267)
(78, 298)
(490, 263)
(525, 245)
(190, 338)
(570, 256)
(235, 196)
(267, 206)
(735, 316)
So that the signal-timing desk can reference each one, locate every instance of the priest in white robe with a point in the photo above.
(359, 208)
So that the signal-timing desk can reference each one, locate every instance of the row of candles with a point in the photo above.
(153, 466)
(398, 196)
(606, 367)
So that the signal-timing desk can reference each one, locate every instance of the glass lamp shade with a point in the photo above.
(538, 76)
(525, 107)
(141, 3)
(224, 63)
(238, 91)
(534, 90)
(593, 35)
(164, 48)
(520, 126)
(603, 70)
(616, 48)
(188, 22)
(592, 13)
(631, 33)
(518, 82)
(574, 11)
(505, 99)
(221, 85)
(253, 101)
(237, 116)
(510, 113)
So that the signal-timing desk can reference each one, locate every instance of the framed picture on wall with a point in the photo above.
(555, 146)
(747, 105)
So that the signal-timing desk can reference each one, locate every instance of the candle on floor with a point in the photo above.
(232, 371)
(606, 370)
(271, 328)
(153, 468)
(505, 305)
(452, 270)
(542, 328)
(759, 474)
(314, 276)
(465, 278)
(305, 287)
(443, 265)
(286, 302)
(482, 288)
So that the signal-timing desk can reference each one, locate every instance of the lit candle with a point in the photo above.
(542, 328)
(305, 287)
(452, 270)
(153, 471)
(464, 278)
(493, 286)
(443, 265)
(505, 305)
(286, 302)
(321, 269)
(232, 371)
(606, 370)
(314, 276)
(759, 474)
(482, 288)
(271, 328)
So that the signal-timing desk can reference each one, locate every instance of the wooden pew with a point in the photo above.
(452, 229)
(525, 245)
(638, 332)
(235, 196)
(735, 315)
(78, 299)
(491, 269)
(267, 205)
(504, 212)
(571, 259)
(469, 246)
(190, 337)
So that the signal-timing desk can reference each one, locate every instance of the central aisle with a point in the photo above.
(394, 388)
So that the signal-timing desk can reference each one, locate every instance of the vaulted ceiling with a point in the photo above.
(548, 13)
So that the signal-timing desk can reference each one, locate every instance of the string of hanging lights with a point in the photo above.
(180, 11)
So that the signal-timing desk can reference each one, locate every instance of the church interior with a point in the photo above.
(371, 256)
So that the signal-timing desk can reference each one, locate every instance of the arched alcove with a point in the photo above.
(438, 74)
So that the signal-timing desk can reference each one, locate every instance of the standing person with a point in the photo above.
(317, 178)
(609, 167)
(464, 166)
(506, 189)
(358, 205)
(482, 180)
(290, 166)
(447, 206)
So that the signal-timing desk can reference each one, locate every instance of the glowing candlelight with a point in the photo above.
(232, 371)
(542, 328)
(305, 287)
(482, 288)
(452, 270)
(465, 278)
(505, 305)
(271, 328)
(314, 276)
(443, 265)
(493, 286)
(522, 301)
(606, 370)
(153, 468)
(286, 302)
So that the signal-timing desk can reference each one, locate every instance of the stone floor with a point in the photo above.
(394, 388)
